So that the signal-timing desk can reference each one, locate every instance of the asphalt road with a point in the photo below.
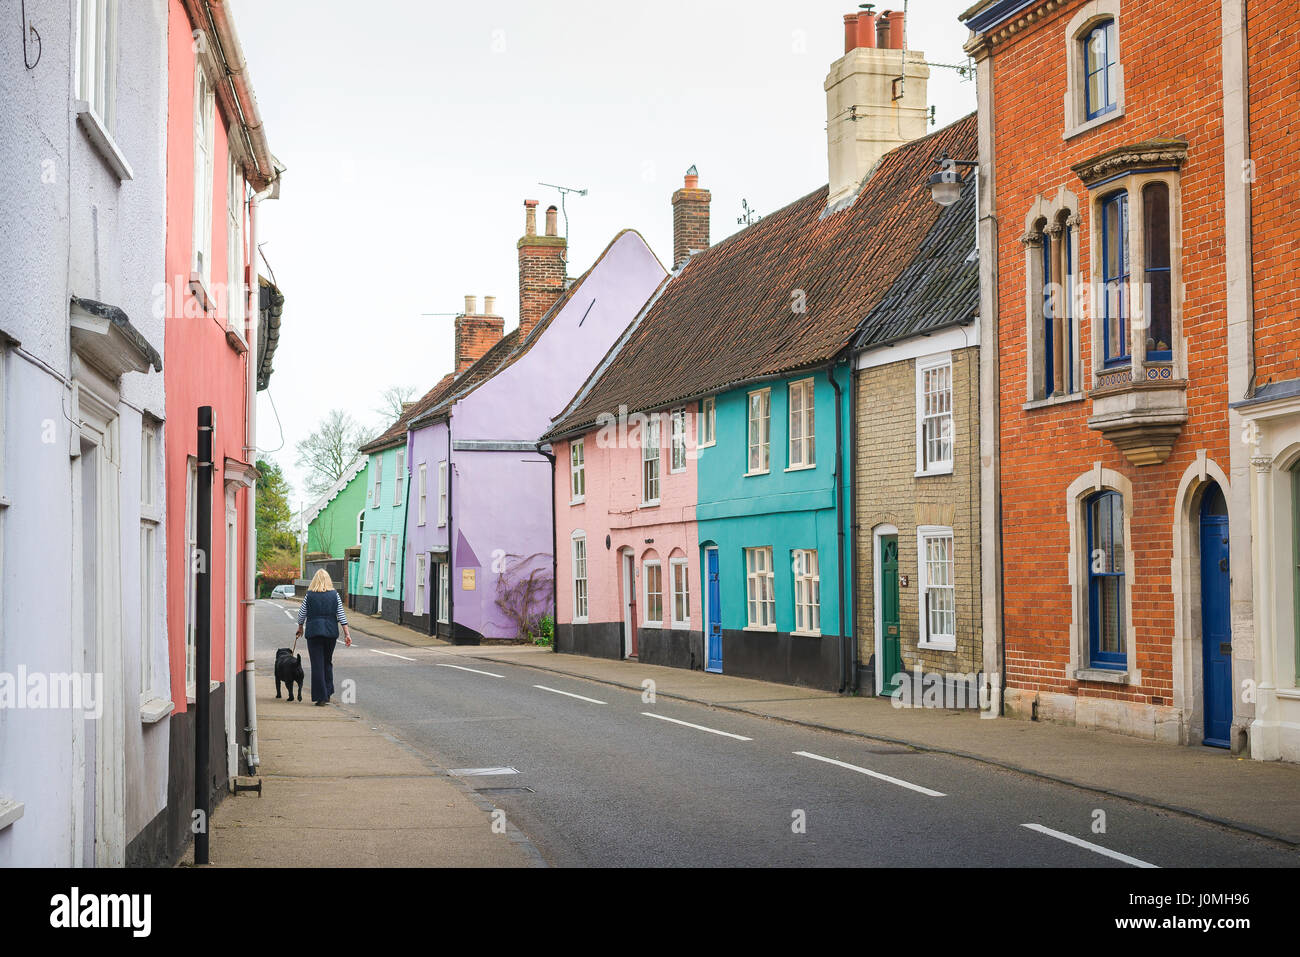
(616, 781)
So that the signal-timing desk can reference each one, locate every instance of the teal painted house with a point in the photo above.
(771, 517)
(377, 583)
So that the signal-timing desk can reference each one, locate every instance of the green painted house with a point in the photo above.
(335, 521)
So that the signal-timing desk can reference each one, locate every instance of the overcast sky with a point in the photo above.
(413, 130)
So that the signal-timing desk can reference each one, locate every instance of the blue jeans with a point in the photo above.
(322, 667)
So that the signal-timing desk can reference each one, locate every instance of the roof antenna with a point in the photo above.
(564, 194)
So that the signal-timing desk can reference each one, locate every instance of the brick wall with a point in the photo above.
(889, 492)
(475, 335)
(690, 221)
(541, 277)
(1274, 54)
(1172, 90)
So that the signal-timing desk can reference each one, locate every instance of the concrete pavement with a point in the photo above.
(1205, 783)
(336, 792)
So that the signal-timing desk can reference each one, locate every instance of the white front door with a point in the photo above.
(232, 634)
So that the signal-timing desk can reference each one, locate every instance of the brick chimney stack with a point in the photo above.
(876, 98)
(542, 266)
(690, 217)
(476, 332)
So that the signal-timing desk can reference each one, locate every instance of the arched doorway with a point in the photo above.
(1216, 618)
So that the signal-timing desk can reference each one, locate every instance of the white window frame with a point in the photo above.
(390, 581)
(377, 480)
(677, 442)
(802, 452)
(654, 563)
(372, 558)
(762, 424)
(96, 60)
(676, 567)
(423, 486)
(708, 422)
(578, 549)
(399, 476)
(651, 462)
(442, 494)
(151, 515)
(235, 250)
(444, 592)
(942, 361)
(204, 175)
(760, 589)
(577, 472)
(421, 572)
(925, 534)
(807, 592)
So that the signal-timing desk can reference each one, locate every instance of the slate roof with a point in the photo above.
(941, 285)
(727, 317)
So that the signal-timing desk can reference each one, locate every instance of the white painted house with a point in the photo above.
(82, 145)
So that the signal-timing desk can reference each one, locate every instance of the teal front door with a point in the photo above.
(890, 657)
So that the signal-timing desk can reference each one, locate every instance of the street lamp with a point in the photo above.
(945, 185)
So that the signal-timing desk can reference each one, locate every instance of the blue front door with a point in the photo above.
(1216, 621)
(713, 631)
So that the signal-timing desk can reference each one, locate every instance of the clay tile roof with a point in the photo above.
(729, 316)
(395, 434)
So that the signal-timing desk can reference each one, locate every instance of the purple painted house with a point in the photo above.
(479, 531)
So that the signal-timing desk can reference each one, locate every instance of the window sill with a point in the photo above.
(682, 625)
(1081, 128)
(200, 292)
(806, 634)
(576, 621)
(577, 501)
(103, 141)
(802, 468)
(765, 629)
(707, 445)
(654, 504)
(235, 339)
(1105, 675)
(937, 645)
(931, 473)
(652, 624)
(763, 472)
(680, 471)
(154, 710)
(10, 811)
(1053, 400)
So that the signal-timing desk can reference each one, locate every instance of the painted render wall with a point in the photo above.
(611, 508)
(786, 510)
(335, 528)
(72, 229)
(426, 446)
(386, 518)
(501, 500)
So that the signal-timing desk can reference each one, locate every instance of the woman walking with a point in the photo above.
(321, 614)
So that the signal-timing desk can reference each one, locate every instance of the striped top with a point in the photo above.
(302, 610)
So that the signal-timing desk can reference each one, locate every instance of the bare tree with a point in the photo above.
(392, 401)
(330, 450)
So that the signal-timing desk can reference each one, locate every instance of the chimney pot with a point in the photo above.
(530, 217)
(471, 305)
(489, 305)
(551, 225)
(692, 180)
(850, 32)
(896, 30)
(866, 30)
(883, 23)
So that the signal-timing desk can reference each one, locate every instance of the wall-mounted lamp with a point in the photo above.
(945, 185)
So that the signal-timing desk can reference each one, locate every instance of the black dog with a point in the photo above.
(288, 668)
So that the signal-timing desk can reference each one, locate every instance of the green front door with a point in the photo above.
(890, 659)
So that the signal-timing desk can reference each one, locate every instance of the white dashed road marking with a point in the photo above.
(697, 727)
(873, 774)
(569, 694)
(1095, 848)
(471, 670)
(390, 654)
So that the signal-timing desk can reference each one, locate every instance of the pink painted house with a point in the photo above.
(627, 548)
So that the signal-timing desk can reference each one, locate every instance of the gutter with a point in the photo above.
(232, 56)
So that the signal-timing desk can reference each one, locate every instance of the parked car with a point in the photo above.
(283, 591)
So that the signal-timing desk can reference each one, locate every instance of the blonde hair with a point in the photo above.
(321, 581)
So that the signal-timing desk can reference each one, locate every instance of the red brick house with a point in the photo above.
(1116, 555)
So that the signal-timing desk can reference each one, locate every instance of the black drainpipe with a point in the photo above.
(451, 545)
(839, 524)
(555, 554)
